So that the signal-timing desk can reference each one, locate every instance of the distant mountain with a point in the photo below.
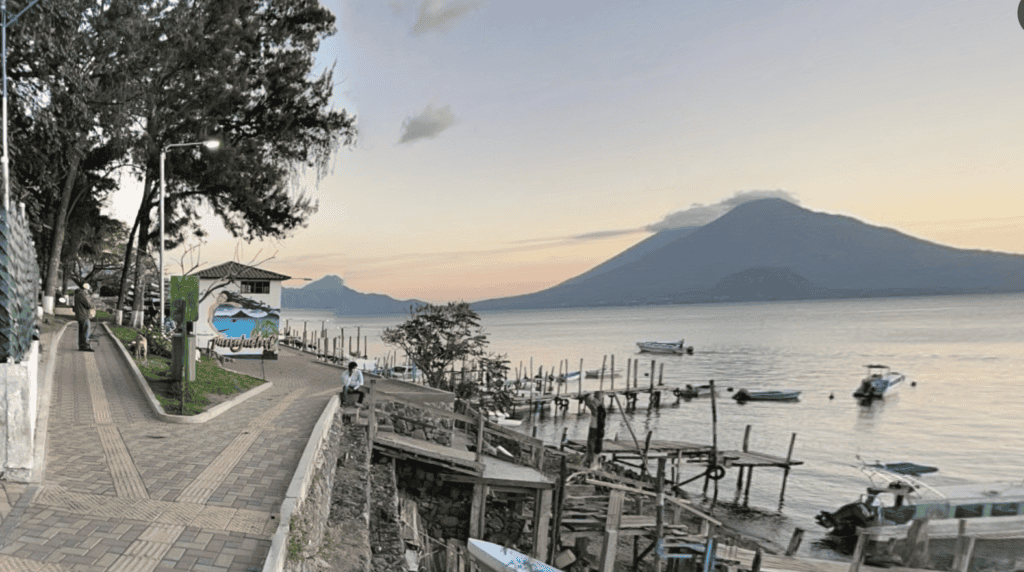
(330, 293)
(771, 249)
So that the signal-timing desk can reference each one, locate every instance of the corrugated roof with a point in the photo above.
(240, 272)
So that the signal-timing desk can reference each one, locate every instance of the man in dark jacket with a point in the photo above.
(83, 309)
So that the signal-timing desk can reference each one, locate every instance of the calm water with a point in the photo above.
(966, 355)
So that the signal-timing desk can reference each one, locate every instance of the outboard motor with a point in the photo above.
(846, 520)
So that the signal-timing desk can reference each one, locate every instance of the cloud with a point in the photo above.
(439, 15)
(700, 215)
(428, 124)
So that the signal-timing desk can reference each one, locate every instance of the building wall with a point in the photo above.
(205, 329)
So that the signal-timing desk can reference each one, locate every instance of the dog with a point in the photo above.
(140, 348)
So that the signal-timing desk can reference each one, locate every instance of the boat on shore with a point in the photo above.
(880, 382)
(676, 348)
(893, 499)
(495, 558)
(745, 395)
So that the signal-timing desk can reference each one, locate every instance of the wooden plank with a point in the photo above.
(541, 524)
(611, 532)
(686, 505)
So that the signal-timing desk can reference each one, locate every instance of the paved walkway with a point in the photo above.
(125, 491)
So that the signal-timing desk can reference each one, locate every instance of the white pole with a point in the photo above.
(6, 158)
(160, 319)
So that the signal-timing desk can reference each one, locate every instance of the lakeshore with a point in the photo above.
(818, 347)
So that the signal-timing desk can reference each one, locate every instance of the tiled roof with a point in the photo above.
(241, 272)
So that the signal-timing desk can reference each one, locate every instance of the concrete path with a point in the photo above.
(124, 491)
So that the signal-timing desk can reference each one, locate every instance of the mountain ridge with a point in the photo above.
(824, 256)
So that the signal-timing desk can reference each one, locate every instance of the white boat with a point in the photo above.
(494, 558)
(677, 348)
(744, 395)
(403, 372)
(892, 500)
(879, 383)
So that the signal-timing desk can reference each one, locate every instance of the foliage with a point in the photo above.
(210, 377)
(436, 336)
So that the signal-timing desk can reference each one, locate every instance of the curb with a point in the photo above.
(158, 410)
(43, 407)
(299, 486)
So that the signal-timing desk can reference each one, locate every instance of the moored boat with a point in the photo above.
(894, 499)
(692, 391)
(879, 383)
(677, 348)
(494, 558)
(766, 395)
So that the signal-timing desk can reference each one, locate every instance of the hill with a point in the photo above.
(771, 249)
(330, 293)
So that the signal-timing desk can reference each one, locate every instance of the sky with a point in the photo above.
(505, 147)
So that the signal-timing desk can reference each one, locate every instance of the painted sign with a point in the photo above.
(243, 327)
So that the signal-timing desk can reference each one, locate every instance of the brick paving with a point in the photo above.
(123, 490)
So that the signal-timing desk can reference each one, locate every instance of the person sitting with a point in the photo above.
(353, 380)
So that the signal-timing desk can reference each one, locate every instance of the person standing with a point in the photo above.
(84, 310)
(353, 380)
(595, 436)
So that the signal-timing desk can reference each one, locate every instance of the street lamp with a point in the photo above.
(209, 144)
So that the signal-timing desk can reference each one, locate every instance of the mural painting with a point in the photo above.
(243, 327)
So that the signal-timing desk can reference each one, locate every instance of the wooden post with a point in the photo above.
(612, 374)
(636, 367)
(916, 555)
(372, 429)
(659, 520)
(477, 508)
(611, 531)
(358, 335)
(652, 376)
(714, 439)
(794, 541)
(556, 528)
(785, 474)
(858, 552)
(366, 347)
(964, 548)
(541, 522)
(750, 479)
(480, 438)
(746, 438)
(561, 442)
(661, 374)
(579, 392)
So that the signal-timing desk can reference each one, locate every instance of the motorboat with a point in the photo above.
(880, 382)
(894, 499)
(677, 348)
(691, 391)
(495, 558)
(403, 372)
(745, 395)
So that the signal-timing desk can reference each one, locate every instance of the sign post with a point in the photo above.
(184, 313)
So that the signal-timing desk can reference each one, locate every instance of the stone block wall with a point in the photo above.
(413, 422)
(444, 507)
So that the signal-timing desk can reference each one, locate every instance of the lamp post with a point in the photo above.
(209, 144)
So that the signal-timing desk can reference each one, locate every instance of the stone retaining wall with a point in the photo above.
(329, 529)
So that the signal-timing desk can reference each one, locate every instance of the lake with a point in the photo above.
(964, 353)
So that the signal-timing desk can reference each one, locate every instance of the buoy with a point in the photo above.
(832, 396)
(913, 384)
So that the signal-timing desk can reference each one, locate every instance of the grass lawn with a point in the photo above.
(213, 384)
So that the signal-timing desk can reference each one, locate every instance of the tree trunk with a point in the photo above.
(124, 271)
(138, 310)
(60, 226)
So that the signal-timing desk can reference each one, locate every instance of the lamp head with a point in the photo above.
(212, 144)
